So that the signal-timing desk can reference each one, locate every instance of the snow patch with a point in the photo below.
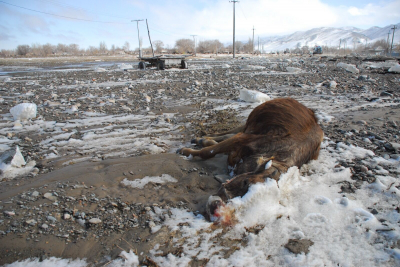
(141, 183)
(348, 67)
(253, 96)
(24, 111)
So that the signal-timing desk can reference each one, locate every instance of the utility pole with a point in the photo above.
(391, 47)
(252, 45)
(387, 42)
(148, 31)
(194, 40)
(234, 2)
(140, 44)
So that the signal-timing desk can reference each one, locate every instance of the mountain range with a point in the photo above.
(327, 36)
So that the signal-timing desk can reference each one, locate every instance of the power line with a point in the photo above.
(168, 33)
(81, 9)
(243, 12)
(47, 13)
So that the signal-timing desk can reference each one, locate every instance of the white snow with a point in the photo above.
(304, 204)
(395, 69)
(253, 96)
(127, 259)
(24, 111)
(16, 167)
(348, 67)
(141, 183)
(50, 262)
(323, 117)
(293, 69)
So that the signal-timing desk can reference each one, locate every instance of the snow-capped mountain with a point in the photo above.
(327, 36)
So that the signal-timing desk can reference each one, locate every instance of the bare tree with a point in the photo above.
(248, 48)
(92, 50)
(126, 46)
(6, 53)
(36, 49)
(62, 49)
(48, 49)
(239, 46)
(73, 48)
(210, 46)
(183, 46)
(23, 50)
(103, 47)
(159, 45)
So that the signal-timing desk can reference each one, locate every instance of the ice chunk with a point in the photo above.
(123, 66)
(100, 69)
(24, 111)
(395, 69)
(13, 164)
(348, 67)
(293, 69)
(11, 158)
(253, 96)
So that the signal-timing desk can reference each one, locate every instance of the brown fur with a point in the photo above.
(281, 130)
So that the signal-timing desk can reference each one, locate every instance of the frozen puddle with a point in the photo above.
(100, 136)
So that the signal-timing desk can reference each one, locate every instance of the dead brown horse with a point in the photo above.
(278, 134)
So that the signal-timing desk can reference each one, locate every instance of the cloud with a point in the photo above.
(208, 19)
(381, 14)
(178, 19)
(22, 22)
(215, 21)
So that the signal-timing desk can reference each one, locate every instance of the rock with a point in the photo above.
(81, 222)
(332, 84)
(44, 226)
(9, 213)
(67, 216)
(35, 194)
(298, 246)
(374, 211)
(50, 196)
(396, 147)
(95, 221)
(384, 93)
(152, 224)
(31, 222)
(363, 77)
(364, 168)
(51, 218)
(222, 178)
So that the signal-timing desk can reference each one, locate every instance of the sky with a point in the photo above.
(89, 22)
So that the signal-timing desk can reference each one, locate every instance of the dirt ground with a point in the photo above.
(94, 188)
